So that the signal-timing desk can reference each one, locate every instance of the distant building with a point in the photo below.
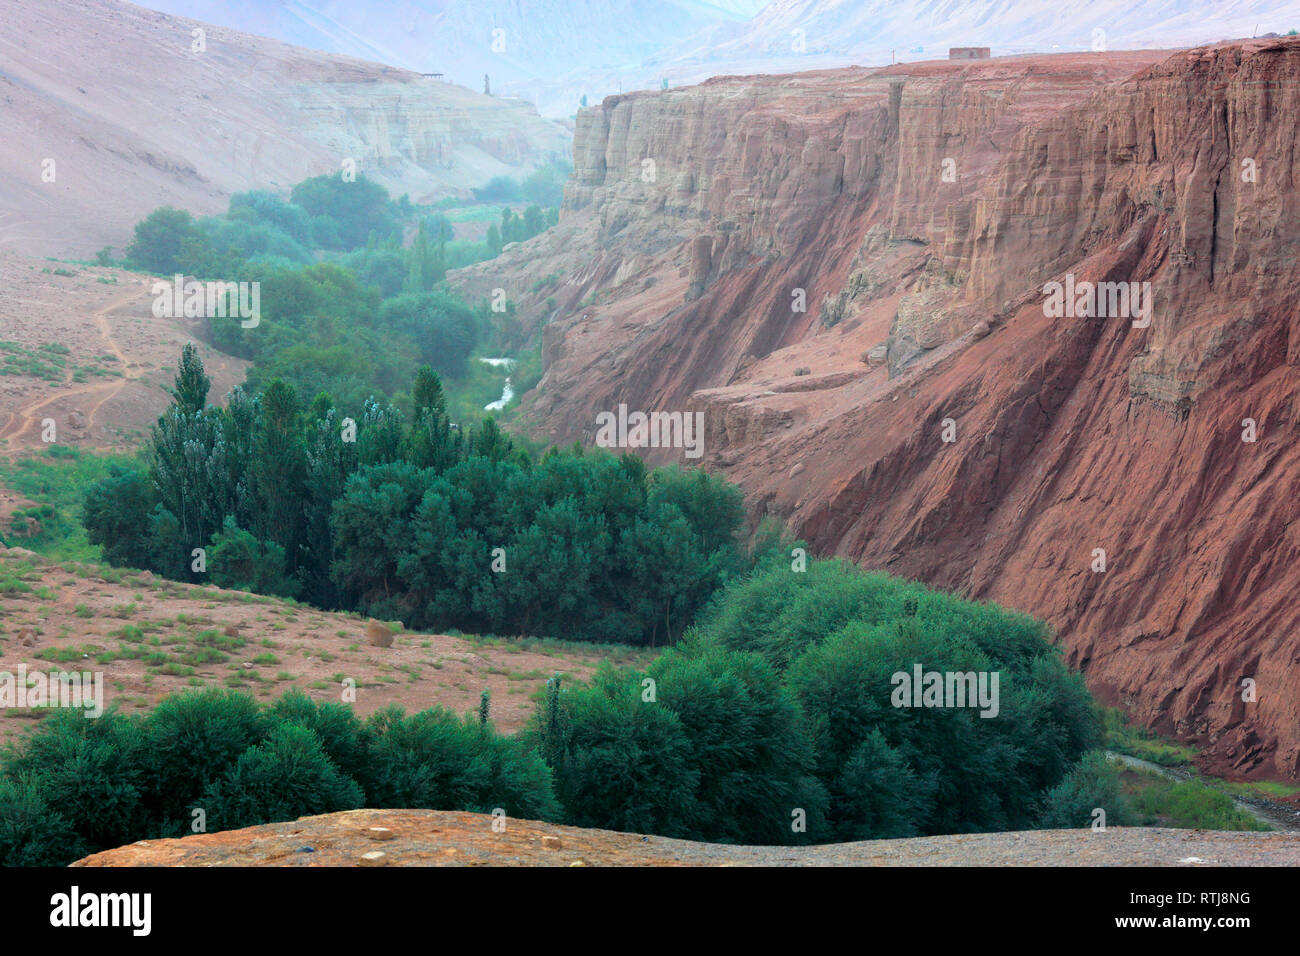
(432, 76)
(969, 53)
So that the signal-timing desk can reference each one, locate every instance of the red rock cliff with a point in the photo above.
(918, 211)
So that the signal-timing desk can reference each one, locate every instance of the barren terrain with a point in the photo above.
(433, 838)
(110, 384)
(151, 637)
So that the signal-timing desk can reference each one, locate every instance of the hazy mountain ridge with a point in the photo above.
(555, 52)
(132, 117)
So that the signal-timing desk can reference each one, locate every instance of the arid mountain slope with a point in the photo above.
(549, 51)
(133, 117)
(924, 283)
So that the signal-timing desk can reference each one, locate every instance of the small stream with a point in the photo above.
(1280, 816)
(507, 391)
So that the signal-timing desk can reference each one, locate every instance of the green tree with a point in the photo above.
(278, 470)
(158, 240)
(284, 777)
(116, 512)
(239, 561)
(190, 392)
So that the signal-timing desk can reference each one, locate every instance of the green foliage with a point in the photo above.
(164, 241)
(1093, 784)
(706, 745)
(1191, 804)
(286, 776)
(190, 740)
(436, 760)
(192, 382)
(76, 786)
(840, 635)
(322, 327)
(345, 214)
(240, 561)
(341, 734)
(92, 770)
(405, 520)
(622, 764)
(442, 329)
(32, 831)
(749, 744)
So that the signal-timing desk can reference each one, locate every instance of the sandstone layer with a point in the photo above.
(919, 212)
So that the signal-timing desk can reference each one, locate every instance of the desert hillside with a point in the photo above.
(432, 838)
(133, 117)
(82, 348)
(150, 637)
(917, 213)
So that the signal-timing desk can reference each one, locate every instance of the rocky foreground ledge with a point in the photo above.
(435, 838)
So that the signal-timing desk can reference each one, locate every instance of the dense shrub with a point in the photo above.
(841, 635)
(286, 776)
(32, 831)
(190, 740)
(76, 785)
(336, 726)
(94, 771)
(439, 761)
(707, 744)
(1092, 785)
(621, 764)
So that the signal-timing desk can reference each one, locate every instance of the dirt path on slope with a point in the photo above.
(23, 418)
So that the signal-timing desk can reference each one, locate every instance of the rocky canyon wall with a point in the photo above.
(917, 213)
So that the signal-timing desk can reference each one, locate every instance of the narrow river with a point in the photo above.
(507, 392)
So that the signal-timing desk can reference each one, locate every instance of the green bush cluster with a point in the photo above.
(77, 786)
(778, 706)
(406, 520)
(732, 736)
(345, 307)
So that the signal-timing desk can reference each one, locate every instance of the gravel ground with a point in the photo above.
(432, 838)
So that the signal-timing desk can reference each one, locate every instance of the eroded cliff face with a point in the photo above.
(922, 210)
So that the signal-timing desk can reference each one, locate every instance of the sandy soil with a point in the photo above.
(150, 637)
(432, 838)
(120, 360)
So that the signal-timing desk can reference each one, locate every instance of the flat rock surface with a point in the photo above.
(437, 838)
